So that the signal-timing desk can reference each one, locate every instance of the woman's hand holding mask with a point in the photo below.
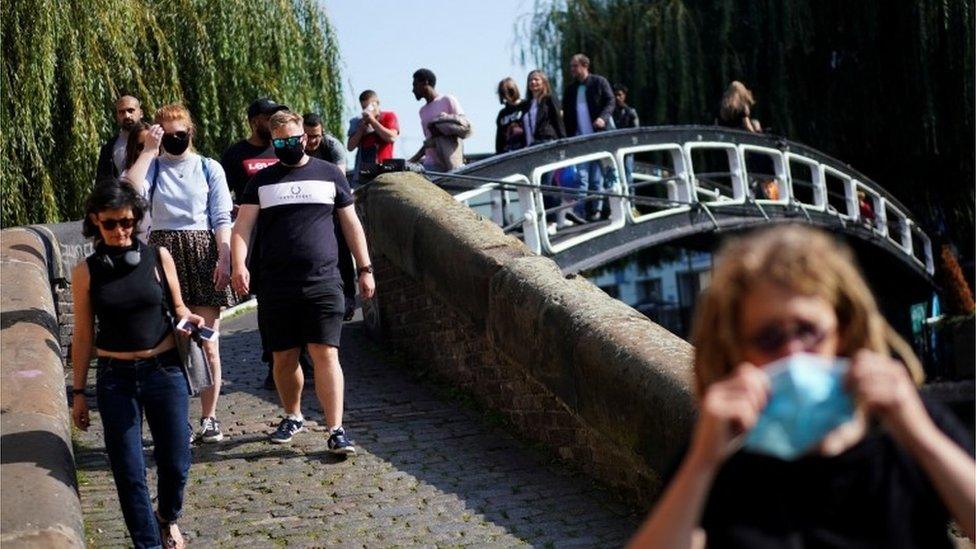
(728, 410)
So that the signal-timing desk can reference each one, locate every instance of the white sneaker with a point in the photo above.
(551, 229)
(210, 430)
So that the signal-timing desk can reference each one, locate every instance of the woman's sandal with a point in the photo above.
(170, 534)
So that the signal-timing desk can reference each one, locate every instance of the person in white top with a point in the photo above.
(191, 217)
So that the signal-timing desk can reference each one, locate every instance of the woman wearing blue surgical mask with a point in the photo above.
(809, 433)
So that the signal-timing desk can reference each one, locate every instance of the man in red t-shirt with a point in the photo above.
(249, 156)
(373, 133)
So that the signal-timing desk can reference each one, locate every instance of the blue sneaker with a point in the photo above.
(287, 429)
(339, 444)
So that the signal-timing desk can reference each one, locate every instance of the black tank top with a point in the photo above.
(127, 301)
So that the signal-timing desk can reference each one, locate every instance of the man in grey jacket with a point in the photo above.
(588, 108)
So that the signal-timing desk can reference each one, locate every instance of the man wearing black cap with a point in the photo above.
(244, 159)
(249, 156)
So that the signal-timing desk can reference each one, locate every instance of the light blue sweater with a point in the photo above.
(183, 199)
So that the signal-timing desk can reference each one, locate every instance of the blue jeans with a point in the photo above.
(629, 169)
(125, 390)
(591, 179)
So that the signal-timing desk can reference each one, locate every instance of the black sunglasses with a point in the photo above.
(111, 224)
(179, 135)
(772, 338)
(282, 142)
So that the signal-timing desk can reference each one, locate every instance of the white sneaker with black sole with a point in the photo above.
(210, 430)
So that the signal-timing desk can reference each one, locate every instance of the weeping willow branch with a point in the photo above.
(65, 62)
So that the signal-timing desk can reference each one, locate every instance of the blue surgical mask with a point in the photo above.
(807, 400)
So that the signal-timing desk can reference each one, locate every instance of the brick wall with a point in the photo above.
(438, 339)
(590, 378)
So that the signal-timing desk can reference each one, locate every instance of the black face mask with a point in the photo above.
(264, 133)
(290, 155)
(176, 143)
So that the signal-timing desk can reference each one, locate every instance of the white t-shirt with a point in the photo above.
(583, 120)
(528, 120)
(118, 150)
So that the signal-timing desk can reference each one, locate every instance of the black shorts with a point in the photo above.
(290, 318)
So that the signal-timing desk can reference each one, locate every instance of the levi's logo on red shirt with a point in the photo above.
(254, 165)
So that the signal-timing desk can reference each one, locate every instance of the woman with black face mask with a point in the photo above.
(190, 205)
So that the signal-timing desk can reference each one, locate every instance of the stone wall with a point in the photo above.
(67, 247)
(568, 366)
(40, 505)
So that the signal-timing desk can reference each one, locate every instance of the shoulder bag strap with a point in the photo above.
(152, 185)
(164, 282)
(206, 170)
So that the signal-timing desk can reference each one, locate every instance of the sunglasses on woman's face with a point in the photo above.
(179, 135)
(110, 224)
(282, 142)
(772, 338)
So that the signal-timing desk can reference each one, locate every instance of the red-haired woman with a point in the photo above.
(190, 205)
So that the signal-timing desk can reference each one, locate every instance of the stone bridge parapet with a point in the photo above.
(40, 505)
(589, 377)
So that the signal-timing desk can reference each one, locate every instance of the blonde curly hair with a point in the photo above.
(802, 260)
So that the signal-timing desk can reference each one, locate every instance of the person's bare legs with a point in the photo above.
(208, 397)
(289, 380)
(329, 382)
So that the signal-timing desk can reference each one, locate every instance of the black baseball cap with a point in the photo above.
(264, 106)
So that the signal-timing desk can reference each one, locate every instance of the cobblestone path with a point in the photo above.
(430, 471)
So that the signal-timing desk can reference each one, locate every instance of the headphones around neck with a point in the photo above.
(130, 258)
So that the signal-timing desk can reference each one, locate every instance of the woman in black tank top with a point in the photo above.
(139, 370)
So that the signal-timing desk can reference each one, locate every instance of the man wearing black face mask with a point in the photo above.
(244, 159)
(249, 156)
(292, 204)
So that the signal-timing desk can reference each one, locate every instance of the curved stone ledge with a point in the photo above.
(626, 380)
(623, 374)
(40, 505)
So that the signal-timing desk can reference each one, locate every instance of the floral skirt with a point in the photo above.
(195, 256)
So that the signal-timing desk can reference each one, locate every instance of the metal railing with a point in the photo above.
(696, 173)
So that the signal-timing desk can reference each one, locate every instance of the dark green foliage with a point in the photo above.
(65, 62)
(885, 86)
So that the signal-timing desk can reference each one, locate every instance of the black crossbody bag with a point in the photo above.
(196, 367)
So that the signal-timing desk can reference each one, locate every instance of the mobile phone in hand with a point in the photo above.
(185, 325)
(207, 333)
(202, 331)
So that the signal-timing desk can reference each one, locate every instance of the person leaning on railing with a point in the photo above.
(543, 122)
(809, 434)
(735, 111)
(139, 369)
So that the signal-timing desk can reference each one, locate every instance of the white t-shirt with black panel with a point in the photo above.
(296, 241)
